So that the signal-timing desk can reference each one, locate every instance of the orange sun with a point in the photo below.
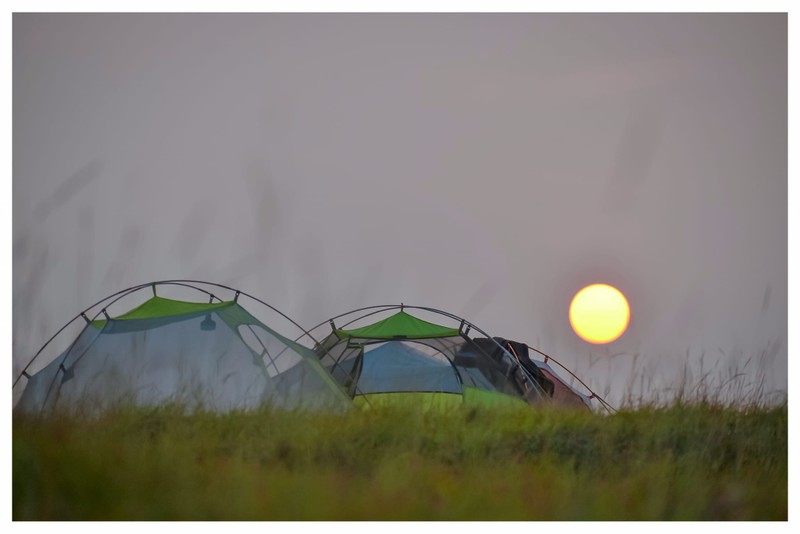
(599, 313)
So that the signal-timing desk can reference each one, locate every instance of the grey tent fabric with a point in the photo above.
(221, 359)
(396, 366)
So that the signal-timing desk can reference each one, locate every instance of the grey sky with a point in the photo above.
(486, 164)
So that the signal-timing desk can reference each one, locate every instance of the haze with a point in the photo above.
(487, 164)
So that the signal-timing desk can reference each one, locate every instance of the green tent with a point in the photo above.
(214, 354)
(403, 358)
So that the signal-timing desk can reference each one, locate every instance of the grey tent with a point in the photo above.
(207, 352)
(401, 358)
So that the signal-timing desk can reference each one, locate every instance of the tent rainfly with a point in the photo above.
(214, 354)
(405, 359)
(560, 392)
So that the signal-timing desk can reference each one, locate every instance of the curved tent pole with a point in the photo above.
(602, 401)
(81, 314)
(24, 371)
(72, 345)
(69, 349)
(356, 389)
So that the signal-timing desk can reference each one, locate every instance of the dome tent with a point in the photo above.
(403, 358)
(213, 354)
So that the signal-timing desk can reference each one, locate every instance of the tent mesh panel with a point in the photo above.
(444, 364)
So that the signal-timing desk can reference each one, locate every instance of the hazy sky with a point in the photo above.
(487, 164)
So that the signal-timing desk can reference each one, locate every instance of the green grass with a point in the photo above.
(685, 462)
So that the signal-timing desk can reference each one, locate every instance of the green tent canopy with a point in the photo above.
(401, 325)
(213, 355)
(157, 307)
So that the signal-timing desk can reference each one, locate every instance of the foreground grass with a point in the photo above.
(682, 463)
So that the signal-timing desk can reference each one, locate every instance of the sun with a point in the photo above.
(599, 313)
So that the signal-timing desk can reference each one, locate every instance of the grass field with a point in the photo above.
(684, 462)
